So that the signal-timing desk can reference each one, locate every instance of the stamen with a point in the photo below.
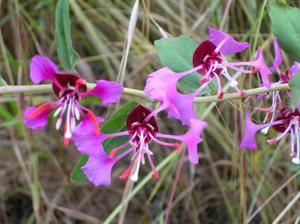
(134, 176)
(296, 159)
(58, 110)
(276, 139)
(114, 151)
(173, 145)
(292, 151)
(220, 93)
(58, 123)
(68, 133)
(127, 172)
(154, 171)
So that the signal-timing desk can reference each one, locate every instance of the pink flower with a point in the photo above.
(70, 88)
(162, 86)
(142, 129)
(286, 123)
(211, 54)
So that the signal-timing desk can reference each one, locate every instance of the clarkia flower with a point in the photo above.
(162, 86)
(210, 58)
(284, 77)
(142, 129)
(285, 123)
(70, 88)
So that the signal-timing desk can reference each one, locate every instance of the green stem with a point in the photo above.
(138, 93)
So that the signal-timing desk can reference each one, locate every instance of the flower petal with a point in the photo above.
(42, 68)
(192, 138)
(38, 121)
(295, 68)
(98, 169)
(263, 69)
(109, 92)
(278, 57)
(229, 44)
(249, 140)
(161, 86)
(86, 139)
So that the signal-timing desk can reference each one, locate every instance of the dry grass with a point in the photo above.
(228, 186)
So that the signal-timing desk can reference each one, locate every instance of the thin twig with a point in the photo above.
(29, 89)
(174, 188)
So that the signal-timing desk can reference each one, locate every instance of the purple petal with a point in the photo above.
(295, 68)
(192, 139)
(109, 92)
(249, 140)
(263, 69)
(38, 121)
(278, 57)
(98, 169)
(161, 86)
(230, 45)
(42, 68)
(85, 138)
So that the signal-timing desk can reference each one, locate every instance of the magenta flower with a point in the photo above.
(142, 129)
(286, 123)
(284, 77)
(70, 88)
(161, 86)
(210, 58)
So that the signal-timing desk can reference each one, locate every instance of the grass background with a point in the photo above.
(228, 186)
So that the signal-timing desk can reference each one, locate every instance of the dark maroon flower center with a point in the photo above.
(68, 84)
(285, 76)
(137, 126)
(286, 115)
(206, 56)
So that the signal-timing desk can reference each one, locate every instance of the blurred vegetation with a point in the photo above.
(228, 186)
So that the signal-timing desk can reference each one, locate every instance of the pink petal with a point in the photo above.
(230, 45)
(85, 138)
(38, 121)
(42, 68)
(98, 169)
(263, 69)
(295, 68)
(278, 57)
(109, 92)
(249, 140)
(192, 139)
(161, 86)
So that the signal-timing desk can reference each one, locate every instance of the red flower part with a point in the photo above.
(70, 88)
(142, 129)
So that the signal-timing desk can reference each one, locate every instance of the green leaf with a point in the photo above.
(177, 54)
(286, 26)
(115, 124)
(295, 87)
(66, 54)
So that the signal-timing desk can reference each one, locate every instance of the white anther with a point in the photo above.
(233, 83)
(58, 123)
(296, 160)
(265, 130)
(58, 110)
(77, 113)
(68, 134)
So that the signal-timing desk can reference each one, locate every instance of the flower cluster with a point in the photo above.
(210, 60)
(283, 120)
